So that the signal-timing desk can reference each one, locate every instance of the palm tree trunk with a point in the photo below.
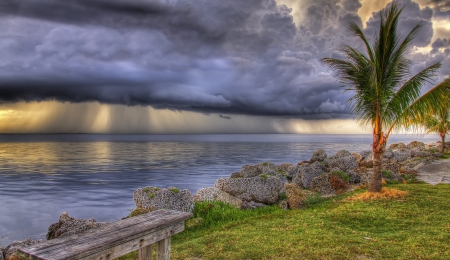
(378, 148)
(443, 142)
(375, 183)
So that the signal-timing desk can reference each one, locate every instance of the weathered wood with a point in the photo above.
(113, 240)
(164, 249)
(145, 253)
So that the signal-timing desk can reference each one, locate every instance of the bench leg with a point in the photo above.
(145, 253)
(164, 249)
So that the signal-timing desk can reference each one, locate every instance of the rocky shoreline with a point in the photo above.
(286, 185)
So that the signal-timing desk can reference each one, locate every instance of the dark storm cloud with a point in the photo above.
(230, 57)
(411, 16)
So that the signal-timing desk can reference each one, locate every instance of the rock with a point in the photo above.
(388, 154)
(285, 167)
(416, 145)
(266, 168)
(342, 153)
(249, 171)
(318, 156)
(307, 172)
(420, 153)
(252, 205)
(365, 153)
(168, 198)
(10, 251)
(391, 166)
(367, 161)
(214, 194)
(354, 177)
(298, 181)
(359, 158)
(344, 163)
(366, 177)
(237, 175)
(296, 197)
(293, 172)
(397, 146)
(329, 184)
(322, 185)
(392, 176)
(2, 256)
(283, 205)
(402, 154)
(258, 189)
(67, 226)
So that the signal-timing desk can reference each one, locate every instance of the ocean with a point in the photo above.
(94, 176)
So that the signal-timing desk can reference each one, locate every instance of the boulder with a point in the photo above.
(416, 145)
(402, 154)
(345, 163)
(420, 153)
(169, 198)
(252, 205)
(293, 172)
(367, 161)
(388, 154)
(296, 197)
(307, 172)
(284, 167)
(365, 153)
(67, 226)
(354, 177)
(342, 153)
(397, 146)
(298, 181)
(392, 176)
(318, 156)
(359, 158)
(266, 168)
(249, 171)
(237, 175)
(214, 194)
(259, 189)
(322, 185)
(391, 166)
(10, 251)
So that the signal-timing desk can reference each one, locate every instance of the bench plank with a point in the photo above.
(145, 253)
(113, 240)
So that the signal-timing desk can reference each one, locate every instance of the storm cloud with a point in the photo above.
(255, 57)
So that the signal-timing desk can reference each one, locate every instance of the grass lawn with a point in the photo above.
(417, 227)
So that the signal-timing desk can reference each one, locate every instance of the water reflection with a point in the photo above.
(95, 175)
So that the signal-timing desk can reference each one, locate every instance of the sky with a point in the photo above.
(191, 66)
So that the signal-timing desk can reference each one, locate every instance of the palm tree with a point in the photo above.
(439, 121)
(387, 95)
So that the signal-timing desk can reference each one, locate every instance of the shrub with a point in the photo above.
(338, 185)
(151, 195)
(146, 189)
(282, 196)
(341, 174)
(282, 173)
(265, 163)
(387, 174)
(264, 176)
(175, 190)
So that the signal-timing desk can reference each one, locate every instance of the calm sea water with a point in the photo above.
(95, 175)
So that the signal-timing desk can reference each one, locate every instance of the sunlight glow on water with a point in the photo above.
(95, 175)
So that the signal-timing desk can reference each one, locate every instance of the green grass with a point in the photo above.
(413, 228)
(445, 156)
(175, 190)
(341, 174)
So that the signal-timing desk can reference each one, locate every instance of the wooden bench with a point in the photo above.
(117, 239)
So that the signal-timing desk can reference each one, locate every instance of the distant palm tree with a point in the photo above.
(387, 95)
(438, 121)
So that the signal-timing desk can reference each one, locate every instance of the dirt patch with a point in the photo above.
(435, 172)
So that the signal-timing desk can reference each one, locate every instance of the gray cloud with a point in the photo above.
(230, 57)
